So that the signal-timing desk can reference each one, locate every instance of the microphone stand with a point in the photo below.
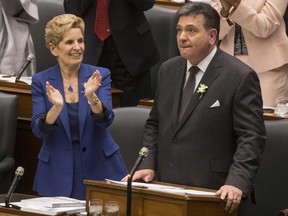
(18, 174)
(142, 154)
(129, 193)
(23, 68)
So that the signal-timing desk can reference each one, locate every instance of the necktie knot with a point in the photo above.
(193, 70)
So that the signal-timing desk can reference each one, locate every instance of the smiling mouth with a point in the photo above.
(76, 54)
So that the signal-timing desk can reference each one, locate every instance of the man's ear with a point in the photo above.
(213, 36)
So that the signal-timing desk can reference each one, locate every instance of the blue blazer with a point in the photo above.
(100, 154)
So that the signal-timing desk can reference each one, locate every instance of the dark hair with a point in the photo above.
(211, 16)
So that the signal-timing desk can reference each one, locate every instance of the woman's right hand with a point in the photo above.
(54, 96)
(226, 6)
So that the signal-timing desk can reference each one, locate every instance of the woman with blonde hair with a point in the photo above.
(72, 109)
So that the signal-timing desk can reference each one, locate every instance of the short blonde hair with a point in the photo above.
(56, 27)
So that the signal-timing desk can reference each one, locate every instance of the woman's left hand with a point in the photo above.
(93, 83)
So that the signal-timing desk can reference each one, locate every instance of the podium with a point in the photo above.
(14, 212)
(27, 146)
(147, 202)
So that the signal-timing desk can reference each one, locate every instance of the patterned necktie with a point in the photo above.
(188, 91)
(102, 27)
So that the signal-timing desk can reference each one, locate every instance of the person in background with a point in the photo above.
(254, 32)
(286, 20)
(205, 1)
(15, 39)
(209, 130)
(72, 109)
(125, 45)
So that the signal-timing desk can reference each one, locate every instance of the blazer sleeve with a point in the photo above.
(250, 131)
(261, 22)
(39, 107)
(225, 26)
(261, 18)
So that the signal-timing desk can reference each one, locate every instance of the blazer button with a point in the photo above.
(174, 142)
(83, 149)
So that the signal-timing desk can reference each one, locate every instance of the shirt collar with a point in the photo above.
(205, 62)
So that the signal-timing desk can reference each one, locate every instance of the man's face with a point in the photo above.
(194, 41)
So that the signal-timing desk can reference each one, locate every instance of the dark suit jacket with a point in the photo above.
(100, 153)
(210, 146)
(130, 30)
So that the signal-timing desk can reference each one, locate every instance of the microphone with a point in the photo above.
(18, 174)
(142, 154)
(28, 61)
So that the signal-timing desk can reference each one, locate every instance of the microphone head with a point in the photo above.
(144, 152)
(19, 171)
(30, 57)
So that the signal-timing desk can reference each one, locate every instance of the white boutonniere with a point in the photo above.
(202, 90)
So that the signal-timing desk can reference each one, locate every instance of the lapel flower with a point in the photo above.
(84, 85)
(202, 89)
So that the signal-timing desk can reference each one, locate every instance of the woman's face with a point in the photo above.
(70, 49)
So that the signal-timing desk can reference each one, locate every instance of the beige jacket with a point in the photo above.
(263, 28)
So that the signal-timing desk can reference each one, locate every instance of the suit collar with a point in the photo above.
(181, 70)
(56, 81)
(208, 78)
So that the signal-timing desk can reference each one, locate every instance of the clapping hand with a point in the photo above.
(233, 3)
(54, 96)
(93, 83)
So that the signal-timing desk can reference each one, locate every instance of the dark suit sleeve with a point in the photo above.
(151, 133)
(77, 7)
(141, 4)
(249, 127)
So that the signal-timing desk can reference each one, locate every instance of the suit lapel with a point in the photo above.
(208, 78)
(180, 76)
(56, 81)
(82, 105)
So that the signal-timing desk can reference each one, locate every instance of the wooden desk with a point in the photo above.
(14, 212)
(154, 203)
(272, 116)
(27, 146)
(267, 116)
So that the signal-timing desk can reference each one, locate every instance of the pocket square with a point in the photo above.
(216, 104)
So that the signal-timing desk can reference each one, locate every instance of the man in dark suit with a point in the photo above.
(219, 141)
(129, 52)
